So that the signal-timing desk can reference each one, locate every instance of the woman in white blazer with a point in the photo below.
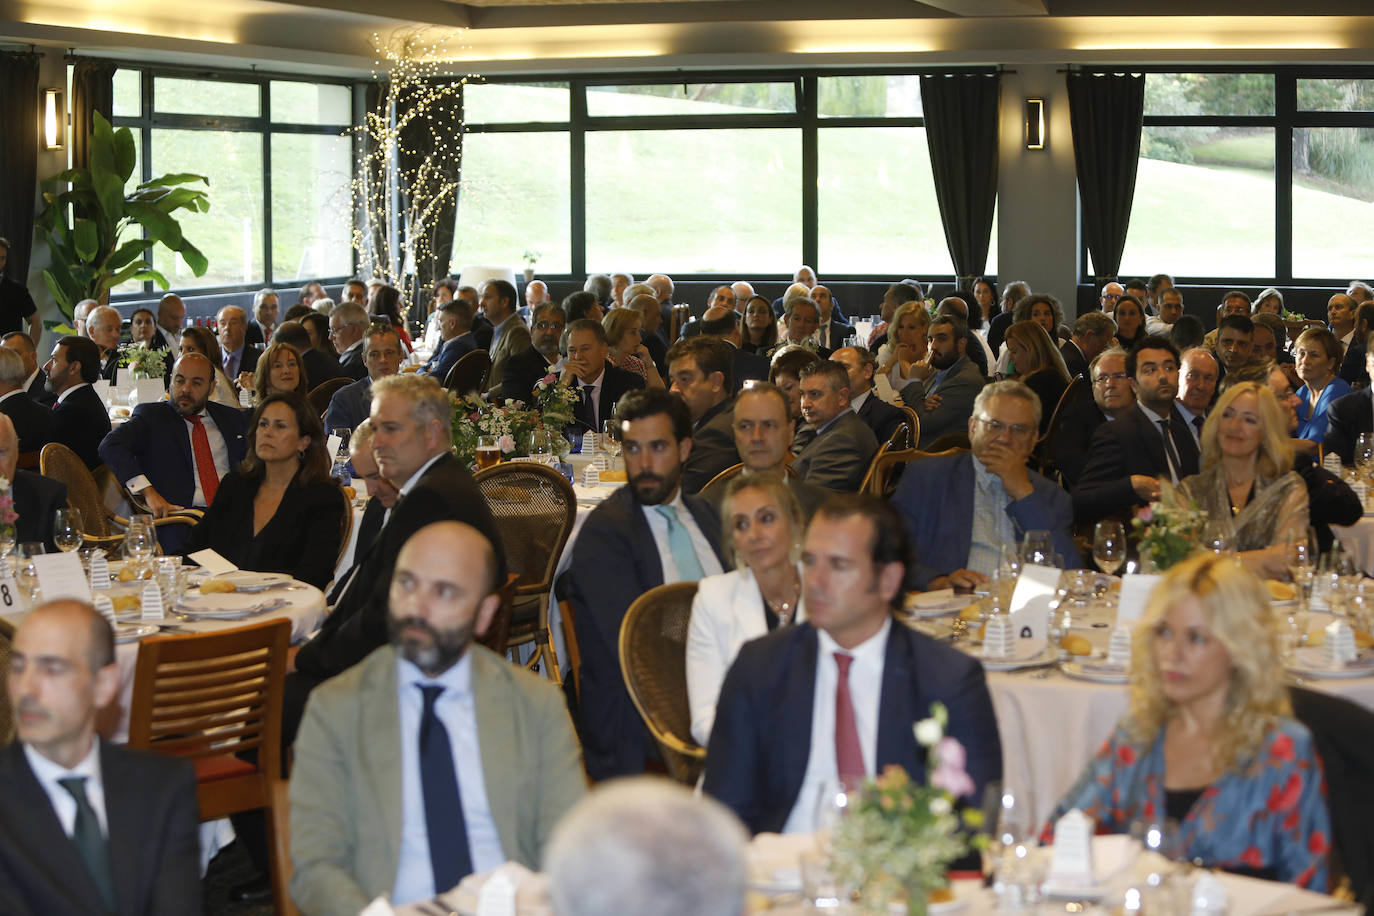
(763, 529)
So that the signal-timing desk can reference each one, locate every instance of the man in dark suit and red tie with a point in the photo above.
(591, 374)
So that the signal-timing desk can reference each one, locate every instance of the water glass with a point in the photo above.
(67, 529)
(821, 890)
(1219, 536)
(1301, 559)
(1109, 546)
(1037, 548)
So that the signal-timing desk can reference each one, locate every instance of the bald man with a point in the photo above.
(171, 318)
(86, 826)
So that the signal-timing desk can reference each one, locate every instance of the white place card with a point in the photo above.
(102, 390)
(332, 446)
(152, 602)
(12, 598)
(1030, 601)
(1135, 592)
(591, 477)
(999, 637)
(211, 562)
(497, 897)
(100, 571)
(150, 390)
(1071, 864)
(60, 576)
(106, 607)
(1119, 646)
(1340, 644)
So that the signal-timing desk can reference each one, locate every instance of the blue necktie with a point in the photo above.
(448, 834)
(90, 842)
(680, 546)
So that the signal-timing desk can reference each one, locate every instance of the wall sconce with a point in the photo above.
(1035, 123)
(54, 119)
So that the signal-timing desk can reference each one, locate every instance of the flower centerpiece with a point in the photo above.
(898, 837)
(512, 422)
(7, 517)
(142, 361)
(1170, 530)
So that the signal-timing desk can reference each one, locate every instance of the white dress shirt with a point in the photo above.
(658, 525)
(48, 773)
(596, 396)
(66, 394)
(856, 403)
(865, 691)
(218, 449)
(414, 873)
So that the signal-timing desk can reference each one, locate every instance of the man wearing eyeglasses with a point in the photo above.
(960, 510)
(1071, 439)
(347, 323)
(1110, 294)
(541, 358)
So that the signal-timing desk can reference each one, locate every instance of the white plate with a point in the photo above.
(1311, 662)
(1046, 655)
(132, 632)
(936, 604)
(1095, 674)
(232, 606)
(246, 581)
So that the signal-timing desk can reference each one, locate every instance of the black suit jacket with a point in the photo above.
(1349, 415)
(36, 501)
(255, 334)
(369, 526)
(713, 446)
(1071, 443)
(1074, 359)
(351, 362)
(880, 416)
(1352, 366)
(614, 383)
(33, 423)
(761, 739)
(747, 366)
(523, 369)
(357, 624)
(1330, 501)
(320, 367)
(658, 351)
(482, 330)
(302, 537)
(1130, 445)
(615, 560)
(38, 390)
(997, 329)
(80, 422)
(154, 843)
(109, 366)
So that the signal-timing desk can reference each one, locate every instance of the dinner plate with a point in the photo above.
(1097, 672)
(1027, 657)
(247, 581)
(1311, 662)
(937, 603)
(231, 606)
(131, 632)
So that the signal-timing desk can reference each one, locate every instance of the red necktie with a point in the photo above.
(205, 459)
(849, 757)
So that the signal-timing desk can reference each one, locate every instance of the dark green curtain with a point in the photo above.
(92, 91)
(961, 113)
(1106, 111)
(435, 138)
(18, 157)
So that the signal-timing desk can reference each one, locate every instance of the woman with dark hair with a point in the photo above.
(1130, 321)
(316, 325)
(985, 296)
(279, 511)
(280, 369)
(196, 339)
(386, 304)
(142, 326)
(785, 371)
(760, 333)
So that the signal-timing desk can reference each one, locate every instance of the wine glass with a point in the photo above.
(833, 800)
(1037, 548)
(610, 438)
(67, 529)
(1109, 546)
(1364, 454)
(1219, 536)
(1301, 559)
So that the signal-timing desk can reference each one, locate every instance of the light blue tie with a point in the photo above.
(680, 545)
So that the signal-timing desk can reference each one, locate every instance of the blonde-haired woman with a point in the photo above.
(1038, 364)
(627, 345)
(1209, 740)
(1247, 476)
(763, 527)
(906, 345)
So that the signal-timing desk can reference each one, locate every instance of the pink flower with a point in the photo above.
(1146, 515)
(506, 444)
(950, 774)
(8, 516)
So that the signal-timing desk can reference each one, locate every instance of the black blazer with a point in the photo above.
(351, 362)
(357, 624)
(369, 526)
(615, 560)
(614, 383)
(36, 500)
(523, 369)
(747, 366)
(1130, 445)
(1071, 443)
(38, 390)
(32, 422)
(761, 739)
(482, 329)
(108, 367)
(80, 423)
(1349, 415)
(301, 538)
(320, 367)
(1330, 501)
(997, 329)
(1352, 366)
(154, 842)
(1073, 358)
(713, 447)
(880, 416)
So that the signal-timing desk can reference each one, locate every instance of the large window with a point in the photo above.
(748, 175)
(280, 164)
(1254, 176)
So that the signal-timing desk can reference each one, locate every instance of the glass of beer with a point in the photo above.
(488, 452)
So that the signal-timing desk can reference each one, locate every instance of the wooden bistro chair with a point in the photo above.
(6, 713)
(469, 374)
(881, 479)
(534, 507)
(100, 525)
(319, 395)
(653, 658)
(207, 696)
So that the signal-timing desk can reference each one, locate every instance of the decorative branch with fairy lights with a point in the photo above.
(406, 185)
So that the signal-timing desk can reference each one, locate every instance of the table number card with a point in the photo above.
(150, 390)
(152, 602)
(1135, 591)
(1071, 864)
(331, 446)
(999, 637)
(1030, 601)
(60, 576)
(12, 598)
(211, 562)
(106, 607)
(100, 572)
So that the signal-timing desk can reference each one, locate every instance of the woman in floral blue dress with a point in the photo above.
(1209, 739)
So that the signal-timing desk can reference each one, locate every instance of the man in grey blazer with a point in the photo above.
(509, 335)
(838, 453)
(944, 387)
(433, 758)
(699, 372)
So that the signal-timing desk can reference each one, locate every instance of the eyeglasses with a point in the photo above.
(997, 427)
(1106, 378)
(548, 326)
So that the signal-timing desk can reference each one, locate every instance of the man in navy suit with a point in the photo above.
(833, 330)
(173, 453)
(35, 379)
(591, 373)
(643, 535)
(455, 330)
(880, 416)
(960, 510)
(382, 356)
(32, 422)
(833, 699)
(258, 332)
(724, 324)
(80, 418)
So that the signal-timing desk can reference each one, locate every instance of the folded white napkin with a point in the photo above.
(379, 907)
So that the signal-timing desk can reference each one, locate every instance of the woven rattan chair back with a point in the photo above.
(61, 463)
(469, 374)
(653, 659)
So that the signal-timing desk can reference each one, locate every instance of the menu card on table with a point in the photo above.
(1135, 592)
(1030, 600)
(60, 576)
(212, 562)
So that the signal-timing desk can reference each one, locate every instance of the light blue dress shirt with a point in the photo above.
(500, 329)
(992, 526)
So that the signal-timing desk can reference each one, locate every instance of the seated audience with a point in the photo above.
(1092, 333)
(977, 350)
(832, 330)
(626, 346)
(103, 328)
(480, 756)
(642, 535)
(1270, 339)
(785, 723)
(1012, 293)
(316, 366)
(195, 339)
(279, 511)
(905, 348)
(382, 354)
(1130, 321)
(985, 297)
(896, 295)
(1247, 476)
(1235, 342)
(454, 321)
(590, 373)
(760, 334)
(1341, 319)
(1349, 416)
(1353, 364)
(266, 308)
(761, 532)
(835, 447)
(583, 304)
(647, 846)
(959, 510)
(540, 359)
(1044, 310)
(945, 383)
(386, 306)
(171, 315)
(36, 498)
(1187, 333)
(699, 369)
(724, 324)
(880, 416)
(1269, 301)
(1209, 741)
(1318, 355)
(239, 359)
(509, 336)
(348, 325)
(316, 326)
(1170, 311)
(1113, 397)
(785, 372)
(33, 422)
(800, 318)
(35, 379)
(1036, 363)
(142, 327)
(80, 420)
(280, 370)
(381, 493)
(1197, 387)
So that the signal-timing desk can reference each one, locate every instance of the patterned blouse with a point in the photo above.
(1267, 814)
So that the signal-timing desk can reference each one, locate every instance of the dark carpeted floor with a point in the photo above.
(227, 869)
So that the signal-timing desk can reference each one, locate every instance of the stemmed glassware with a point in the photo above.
(610, 440)
(1301, 559)
(1109, 546)
(1364, 454)
(1219, 536)
(1037, 548)
(67, 529)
